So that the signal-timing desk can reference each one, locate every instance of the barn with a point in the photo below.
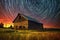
(24, 22)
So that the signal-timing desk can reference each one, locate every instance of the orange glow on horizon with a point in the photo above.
(8, 25)
(6, 22)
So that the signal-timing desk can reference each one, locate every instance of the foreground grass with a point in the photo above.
(9, 34)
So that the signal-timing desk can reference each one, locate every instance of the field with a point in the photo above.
(9, 34)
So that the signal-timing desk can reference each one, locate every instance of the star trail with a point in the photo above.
(44, 11)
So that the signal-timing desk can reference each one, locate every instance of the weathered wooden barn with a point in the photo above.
(25, 22)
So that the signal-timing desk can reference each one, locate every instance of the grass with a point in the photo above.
(9, 34)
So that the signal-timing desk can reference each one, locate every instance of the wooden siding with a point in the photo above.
(23, 24)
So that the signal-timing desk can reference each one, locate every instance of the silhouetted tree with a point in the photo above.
(1, 25)
(11, 27)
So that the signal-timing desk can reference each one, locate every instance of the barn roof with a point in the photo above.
(21, 17)
(29, 18)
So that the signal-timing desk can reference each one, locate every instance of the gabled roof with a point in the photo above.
(21, 17)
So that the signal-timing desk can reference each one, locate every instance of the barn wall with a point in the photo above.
(23, 23)
(16, 25)
(35, 26)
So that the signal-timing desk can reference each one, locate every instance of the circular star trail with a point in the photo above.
(44, 11)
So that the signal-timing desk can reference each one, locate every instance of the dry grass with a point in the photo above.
(28, 35)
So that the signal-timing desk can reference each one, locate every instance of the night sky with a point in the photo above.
(44, 11)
